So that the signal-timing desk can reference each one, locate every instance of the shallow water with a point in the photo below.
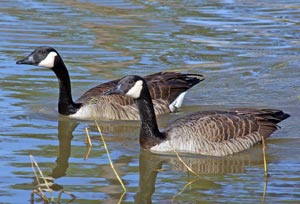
(248, 51)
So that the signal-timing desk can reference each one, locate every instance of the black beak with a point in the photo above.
(115, 90)
(27, 60)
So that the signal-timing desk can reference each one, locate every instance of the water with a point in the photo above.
(248, 51)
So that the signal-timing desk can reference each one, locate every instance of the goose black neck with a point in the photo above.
(149, 132)
(66, 106)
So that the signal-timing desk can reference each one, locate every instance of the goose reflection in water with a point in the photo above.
(65, 130)
(150, 164)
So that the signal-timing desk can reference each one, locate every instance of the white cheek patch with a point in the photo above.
(48, 62)
(135, 91)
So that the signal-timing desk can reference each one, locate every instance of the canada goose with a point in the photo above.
(216, 133)
(167, 90)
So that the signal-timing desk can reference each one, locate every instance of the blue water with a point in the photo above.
(249, 52)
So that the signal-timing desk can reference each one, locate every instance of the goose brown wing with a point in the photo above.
(163, 86)
(97, 92)
(221, 133)
(218, 126)
(169, 85)
(214, 126)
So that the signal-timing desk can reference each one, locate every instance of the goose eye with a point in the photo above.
(131, 82)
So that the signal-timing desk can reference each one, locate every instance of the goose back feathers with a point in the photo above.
(220, 133)
(167, 91)
(216, 133)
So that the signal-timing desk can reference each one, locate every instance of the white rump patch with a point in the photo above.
(48, 62)
(135, 91)
(177, 103)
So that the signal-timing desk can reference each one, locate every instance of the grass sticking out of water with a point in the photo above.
(111, 163)
(190, 170)
(87, 137)
(264, 157)
(88, 141)
(45, 186)
(186, 166)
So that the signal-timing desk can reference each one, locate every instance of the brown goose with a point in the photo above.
(167, 91)
(216, 133)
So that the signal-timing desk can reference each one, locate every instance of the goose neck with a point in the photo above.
(149, 132)
(66, 106)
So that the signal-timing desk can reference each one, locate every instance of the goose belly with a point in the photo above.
(85, 112)
(106, 112)
(102, 109)
(204, 147)
(178, 146)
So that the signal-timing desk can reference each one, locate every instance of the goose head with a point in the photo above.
(131, 86)
(43, 56)
(48, 57)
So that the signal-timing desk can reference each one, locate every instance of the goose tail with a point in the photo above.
(272, 115)
(193, 79)
(267, 119)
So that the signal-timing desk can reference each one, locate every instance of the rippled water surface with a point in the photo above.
(249, 51)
